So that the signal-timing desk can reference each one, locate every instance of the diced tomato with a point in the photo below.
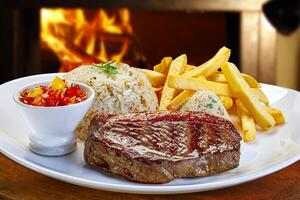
(58, 93)
(64, 101)
(28, 100)
(25, 92)
(44, 88)
(50, 92)
(72, 99)
(78, 90)
(50, 101)
(71, 92)
(38, 101)
(79, 99)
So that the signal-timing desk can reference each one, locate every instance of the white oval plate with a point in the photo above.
(270, 152)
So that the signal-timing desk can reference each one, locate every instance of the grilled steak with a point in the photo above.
(159, 147)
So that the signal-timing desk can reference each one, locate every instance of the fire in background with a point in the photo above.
(78, 36)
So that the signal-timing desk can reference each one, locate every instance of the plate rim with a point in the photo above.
(143, 189)
(138, 189)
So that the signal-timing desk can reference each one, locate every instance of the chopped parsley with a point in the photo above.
(109, 67)
(211, 102)
(209, 105)
(212, 99)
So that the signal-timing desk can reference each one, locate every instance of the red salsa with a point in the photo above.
(58, 93)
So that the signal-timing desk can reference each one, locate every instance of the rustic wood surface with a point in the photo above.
(18, 182)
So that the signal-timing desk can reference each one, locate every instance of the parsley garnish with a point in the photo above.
(209, 105)
(211, 102)
(212, 99)
(109, 67)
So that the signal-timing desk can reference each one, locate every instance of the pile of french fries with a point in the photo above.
(175, 82)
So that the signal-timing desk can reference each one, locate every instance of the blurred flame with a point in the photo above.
(74, 36)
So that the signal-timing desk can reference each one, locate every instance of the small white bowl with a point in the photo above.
(52, 128)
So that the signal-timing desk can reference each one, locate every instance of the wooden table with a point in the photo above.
(18, 182)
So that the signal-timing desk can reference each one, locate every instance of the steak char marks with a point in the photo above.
(159, 147)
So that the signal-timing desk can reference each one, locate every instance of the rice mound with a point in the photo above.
(206, 101)
(126, 92)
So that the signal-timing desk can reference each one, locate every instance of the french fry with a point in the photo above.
(260, 95)
(244, 93)
(247, 122)
(163, 66)
(211, 66)
(226, 101)
(189, 68)
(252, 82)
(155, 78)
(203, 70)
(180, 100)
(220, 77)
(217, 77)
(186, 83)
(177, 67)
(276, 114)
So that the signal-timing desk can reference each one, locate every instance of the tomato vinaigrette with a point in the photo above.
(58, 93)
